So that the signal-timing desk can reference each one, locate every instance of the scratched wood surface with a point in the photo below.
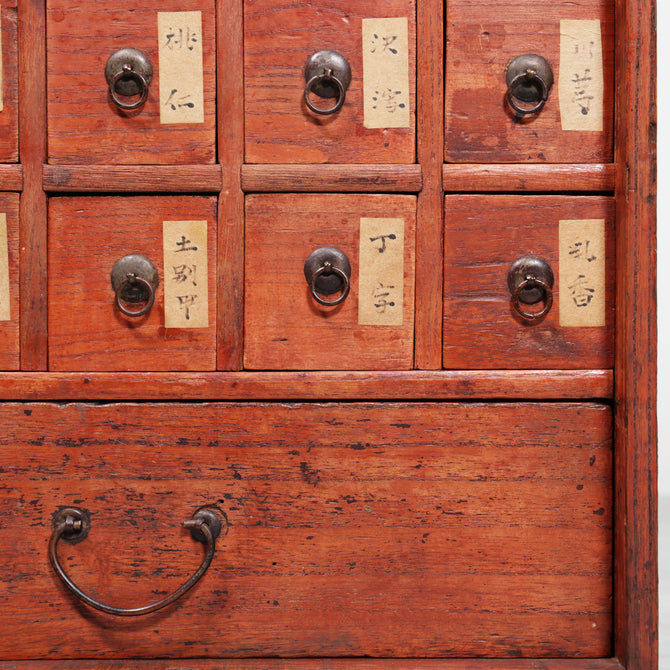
(279, 36)
(391, 529)
(9, 124)
(484, 235)
(87, 235)
(285, 328)
(9, 330)
(482, 38)
(84, 126)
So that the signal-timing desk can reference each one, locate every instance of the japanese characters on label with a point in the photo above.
(381, 282)
(4, 270)
(580, 85)
(181, 81)
(185, 270)
(386, 73)
(581, 272)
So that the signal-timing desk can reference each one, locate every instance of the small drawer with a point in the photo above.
(362, 112)
(132, 283)
(9, 281)
(104, 59)
(9, 85)
(329, 282)
(402, 530)
(506, 58)
(529, 282)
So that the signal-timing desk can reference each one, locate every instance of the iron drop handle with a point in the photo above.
(328, 271)
(73, 524)
(128, 73)
(529, 79)
(134, 282)
(327, 75)
(531, 281)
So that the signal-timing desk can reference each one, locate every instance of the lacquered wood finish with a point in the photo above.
(9, 116)
(279, 128)
(86, 330)
(9, 329)
(482, 38)
(435, 521)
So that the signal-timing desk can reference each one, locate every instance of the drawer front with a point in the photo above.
(358, 529)
(575, 38)
(485, 327)
(9, 281)
(286, 327)
(376, 121)
(9, 86)
(176, 124)
(88, 327)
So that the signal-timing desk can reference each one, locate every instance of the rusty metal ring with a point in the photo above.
(326, 76)
(531, 281)
(205, 526)
(329, 268)
(127, 72)
(535, 78)
(132, 278)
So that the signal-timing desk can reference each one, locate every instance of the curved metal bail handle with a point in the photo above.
(200, 522)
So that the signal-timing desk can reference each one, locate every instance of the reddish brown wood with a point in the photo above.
(33, 204)
(87, 235)
(230, 134)
(9, 125)
(400, 539)
(331, 178)
(484, 235)
(9, 330)
(11, 177)
(482, 39)
(431, 385)
(285, 328)
(636, 583)
(127, 178)
(80, 39)
(430, 139)
(530, 178)
(279, 37)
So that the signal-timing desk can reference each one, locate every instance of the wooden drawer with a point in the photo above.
(177, 122)
(357, 529)
(375, 124)
(483, 325)
(9, 85)
(285, 327)
(576, 123)
(9, 281)
(87, 329)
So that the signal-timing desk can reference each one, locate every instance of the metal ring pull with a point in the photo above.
(328, 271)
(129, 73)
(134, 280)
(73, 524)
(530, 281)
(529, 80)
(328, 75)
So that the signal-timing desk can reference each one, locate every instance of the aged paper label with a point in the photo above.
(181, 81)
(185, 269)
(4, 270)
(581, 80)
(386, 73)
(581, 271)
(381, 272)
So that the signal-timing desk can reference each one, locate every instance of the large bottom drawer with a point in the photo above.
(391, 529)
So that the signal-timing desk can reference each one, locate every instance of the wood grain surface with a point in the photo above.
(84, 125)
(9, 330)
(9, 117)
(88, 235)
(484, 235)
(361, 529)
(482, 38)
(279, 128)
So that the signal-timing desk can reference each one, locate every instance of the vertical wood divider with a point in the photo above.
(33, 203)
(430, 150)
(230, 138)
(636, 572)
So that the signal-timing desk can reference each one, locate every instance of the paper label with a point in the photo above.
(581, 269)
(381, 272)
(181, 81)
(4, 270)
(386, 73)
(581, 80)
(185, 269)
